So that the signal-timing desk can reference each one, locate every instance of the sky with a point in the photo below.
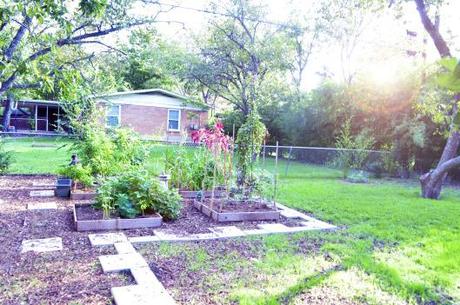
(380, 53)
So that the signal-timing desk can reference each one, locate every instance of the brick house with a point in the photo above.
(154, 113)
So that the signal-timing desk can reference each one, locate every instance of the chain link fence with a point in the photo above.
(372, 161)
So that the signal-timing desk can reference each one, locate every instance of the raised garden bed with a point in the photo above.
(187, 195)
(79, 194)
(87, 218)
(233, 210)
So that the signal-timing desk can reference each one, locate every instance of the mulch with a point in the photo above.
(73, 275)
(60, 277)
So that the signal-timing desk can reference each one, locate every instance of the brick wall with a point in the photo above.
(153, 121)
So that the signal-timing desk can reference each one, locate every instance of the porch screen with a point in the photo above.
(173, 119)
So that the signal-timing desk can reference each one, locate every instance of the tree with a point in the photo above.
(37, 36)
(432, 181)
(306, 33)
(147, 61)
(239, 53)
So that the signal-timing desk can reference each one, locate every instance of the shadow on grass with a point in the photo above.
(290, 292)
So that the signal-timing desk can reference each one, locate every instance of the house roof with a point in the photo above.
(143, 98)
(33, 101)
(154, 90)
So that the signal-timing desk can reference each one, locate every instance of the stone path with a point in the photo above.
(148, 291)
(308, 224)
(42, 245)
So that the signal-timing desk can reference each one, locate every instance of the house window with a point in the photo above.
(113, 116)
(173, 120)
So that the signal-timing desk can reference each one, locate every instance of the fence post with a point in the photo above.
(288, 162)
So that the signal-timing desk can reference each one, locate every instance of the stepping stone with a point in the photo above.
(203, 236)
(136, 294)
(230, 231)
(289, 213)
(105, 239)
(256, 232)
(124, 247)
(42, 245)
(42, 206)
(145, 277)
(120, 262)
(42, 193)
(274, 227)
(317, 225)
(143, 239)
(164, 236)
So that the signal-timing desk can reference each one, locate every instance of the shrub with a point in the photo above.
(352, 153)
(137, 190)
(108, 153)
(5, 158)
(78, 173)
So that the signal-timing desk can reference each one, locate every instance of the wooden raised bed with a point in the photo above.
(82, 194)
(268, 213)
(114, 223)
(207, 194)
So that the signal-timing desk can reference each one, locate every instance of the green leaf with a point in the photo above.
(449, 63)
(457, 70)
(449, 81)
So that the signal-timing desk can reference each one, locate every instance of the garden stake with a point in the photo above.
(276, 175)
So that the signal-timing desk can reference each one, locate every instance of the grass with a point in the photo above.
(46, 155)
(395, 244)
(37, 155)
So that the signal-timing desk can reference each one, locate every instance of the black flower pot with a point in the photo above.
(63, 187)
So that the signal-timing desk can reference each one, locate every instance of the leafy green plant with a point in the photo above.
(78, 173)
(192, 171)
(352, 150)
(125, 207)
(142, 190)
(249, 142)
(108, 153)
(5, 158)
(168, 204)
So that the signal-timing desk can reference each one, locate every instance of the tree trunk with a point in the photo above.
(431, 182)
(6, 119)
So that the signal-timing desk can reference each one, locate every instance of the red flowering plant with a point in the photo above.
(221, 147)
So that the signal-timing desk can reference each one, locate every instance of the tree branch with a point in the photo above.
(431, 28)
(17, 38)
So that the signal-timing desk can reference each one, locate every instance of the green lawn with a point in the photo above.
(46, 155)
(37, 155)
(392, 246)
